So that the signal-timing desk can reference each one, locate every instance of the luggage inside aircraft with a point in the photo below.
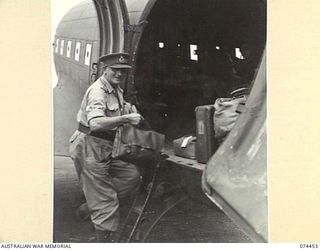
(191, 54)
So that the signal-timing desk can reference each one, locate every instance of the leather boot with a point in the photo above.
(103, 236)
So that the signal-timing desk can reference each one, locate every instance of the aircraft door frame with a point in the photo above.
(112, 18)
(133, 33)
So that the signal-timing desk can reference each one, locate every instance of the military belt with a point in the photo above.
(107, 135)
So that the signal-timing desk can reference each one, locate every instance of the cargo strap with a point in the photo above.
(241, 108)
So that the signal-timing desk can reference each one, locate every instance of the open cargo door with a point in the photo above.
(235, 178)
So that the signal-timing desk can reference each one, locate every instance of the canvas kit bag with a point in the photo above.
(135, 145)
(225, 115)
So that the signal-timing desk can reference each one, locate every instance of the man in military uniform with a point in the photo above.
(103, 178)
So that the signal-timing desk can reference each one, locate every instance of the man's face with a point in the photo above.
(115, 76)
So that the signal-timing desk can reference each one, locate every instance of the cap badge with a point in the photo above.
(121, 59)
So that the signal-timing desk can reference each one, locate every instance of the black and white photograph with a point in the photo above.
(160, 121)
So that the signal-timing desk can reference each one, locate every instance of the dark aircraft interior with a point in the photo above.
(193, 52)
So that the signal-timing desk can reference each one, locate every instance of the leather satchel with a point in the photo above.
(135, 145)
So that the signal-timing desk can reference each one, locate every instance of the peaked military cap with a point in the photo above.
(116, 60)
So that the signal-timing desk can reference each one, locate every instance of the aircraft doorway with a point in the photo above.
(192, 52)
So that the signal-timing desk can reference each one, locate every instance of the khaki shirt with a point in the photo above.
(100, 100)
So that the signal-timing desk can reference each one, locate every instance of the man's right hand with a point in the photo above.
(133, 118)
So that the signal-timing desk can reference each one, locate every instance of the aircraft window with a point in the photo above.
(193, 52)
(61, 47)
(69, 48)
(161, 45)
(238, 54)
(57, 46)
(77, 52)
(88, 54)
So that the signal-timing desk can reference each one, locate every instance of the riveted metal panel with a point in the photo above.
(235, 177)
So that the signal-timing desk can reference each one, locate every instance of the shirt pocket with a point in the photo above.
(113, 108)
